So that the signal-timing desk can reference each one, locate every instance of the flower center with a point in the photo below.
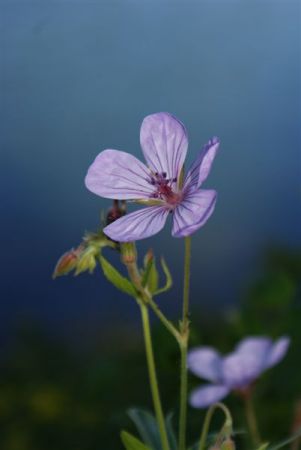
(164, 189)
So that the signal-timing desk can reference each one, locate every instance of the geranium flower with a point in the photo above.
(159, 185)
(236, 371)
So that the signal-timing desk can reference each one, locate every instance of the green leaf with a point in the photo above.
(147, 426)
(118, 280)
(131, 442)
(172, 439)
(149, 431)
(263, 446)
(286, 441)
(168, 276)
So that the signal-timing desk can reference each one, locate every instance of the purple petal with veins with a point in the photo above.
(193, 212)
(138, 225)
(201, 167)
(164, 143)
(119, 175)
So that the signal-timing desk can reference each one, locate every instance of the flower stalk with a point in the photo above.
(153, 376)
(128, 252)
(183, 346)
(251, 419)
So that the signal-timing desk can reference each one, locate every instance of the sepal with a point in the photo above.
(150, 275)
(87, 260)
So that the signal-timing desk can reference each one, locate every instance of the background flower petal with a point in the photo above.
(193, 212)
(164, 143)
(278, 351)
(200, 169)
(137, 225)
(206, 363)
(118, 175)
(247, 362)
(207, 395)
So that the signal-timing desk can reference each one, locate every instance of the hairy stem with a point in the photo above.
(183, 346)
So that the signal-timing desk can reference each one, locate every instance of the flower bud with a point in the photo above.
(66, 263)
(87, 260)
(115, 212)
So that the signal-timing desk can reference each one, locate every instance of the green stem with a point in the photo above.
(129, 260)
(227, 425)
(168, 325)
(251, 419)
(153, 377)
(183, 346)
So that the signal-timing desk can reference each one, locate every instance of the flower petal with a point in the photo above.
(200, 169)
(206, 363)
(119, 175)
(207, 395)
(194, 211)
(278, 351)
(164, 143)
(247, 362)
(137, 225)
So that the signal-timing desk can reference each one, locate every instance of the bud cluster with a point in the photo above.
(84, 257)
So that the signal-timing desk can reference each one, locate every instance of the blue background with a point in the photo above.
(78, 77)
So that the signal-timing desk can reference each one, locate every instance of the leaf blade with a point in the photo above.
(131, 442)
(118, 280)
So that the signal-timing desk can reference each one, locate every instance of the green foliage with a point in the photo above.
(148, 429)
(150, 276)
(263, 446)
(147, 426)
(168, 282)
(52, 397)
(294, 438)
(132, 443)
(172, 438)
(118, 280)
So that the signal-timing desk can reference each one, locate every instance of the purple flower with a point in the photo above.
(159, 185)
(235, 371)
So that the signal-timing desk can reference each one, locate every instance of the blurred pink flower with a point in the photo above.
(235, 371)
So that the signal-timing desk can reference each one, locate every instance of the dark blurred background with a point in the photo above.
(78, 77)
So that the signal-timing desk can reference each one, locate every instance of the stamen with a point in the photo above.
(163, 188)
